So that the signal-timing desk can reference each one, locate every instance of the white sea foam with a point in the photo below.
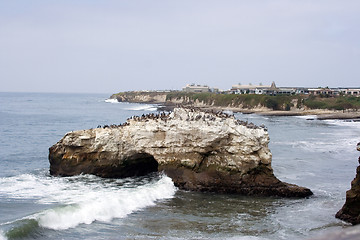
(2, 235)
(135, 107)
(343, 136)
(41, 189)
(310, 117)
(111, 100)
(315, 145)
(107, 205)
(143, 107)
(84, 202)
(345, 123)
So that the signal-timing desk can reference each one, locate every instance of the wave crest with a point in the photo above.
(86, 198)
(2, 237)
(105, 206)
(111, 100)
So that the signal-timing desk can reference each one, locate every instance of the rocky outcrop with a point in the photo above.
(202, 151)
(141, 97)
(350, 212)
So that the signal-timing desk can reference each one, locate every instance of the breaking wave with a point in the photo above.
(111, 100)
(307, 117)
(339, 136)
(355, 123)
(143, 107)
(315, 145)
(133, 106)
(105, 206)
(82, 199)
(2, 237)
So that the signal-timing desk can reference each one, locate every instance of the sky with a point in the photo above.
(88, 46)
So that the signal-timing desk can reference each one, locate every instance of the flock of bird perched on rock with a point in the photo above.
(204, 115)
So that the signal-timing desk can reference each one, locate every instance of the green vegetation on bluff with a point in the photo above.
(335, 103)
(235, 100)
(249, 101)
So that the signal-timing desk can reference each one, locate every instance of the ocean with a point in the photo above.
(318, 154)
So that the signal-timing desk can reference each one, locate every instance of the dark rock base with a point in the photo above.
(102, 165)
(261, 182)
(350, 212)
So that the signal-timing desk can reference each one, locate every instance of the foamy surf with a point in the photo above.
(143, 107)
(344, 123)
(106, 206)
(111, 100)
(84, 199)
(338, 145)
(2, 236)
(307, 117)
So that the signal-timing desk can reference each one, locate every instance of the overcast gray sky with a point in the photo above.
(110, 46)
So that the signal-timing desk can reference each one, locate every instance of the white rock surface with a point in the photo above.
(183, 132)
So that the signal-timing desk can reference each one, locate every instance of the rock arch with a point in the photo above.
(138, 164)
(198, 150)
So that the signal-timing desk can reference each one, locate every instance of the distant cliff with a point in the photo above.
(243, 101)
(141, 97)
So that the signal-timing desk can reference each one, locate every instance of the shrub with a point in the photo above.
(272, 103)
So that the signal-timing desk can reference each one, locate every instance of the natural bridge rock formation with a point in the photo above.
(203, 151)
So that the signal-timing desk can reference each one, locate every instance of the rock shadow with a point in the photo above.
(139, 164)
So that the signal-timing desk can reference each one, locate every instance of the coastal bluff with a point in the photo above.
(342, 107)
(198, 150)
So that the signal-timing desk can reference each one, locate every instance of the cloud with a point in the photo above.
(110, 46)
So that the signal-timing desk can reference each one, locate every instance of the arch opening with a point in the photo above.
(139, 164)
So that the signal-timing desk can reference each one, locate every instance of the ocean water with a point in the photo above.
(317, 154)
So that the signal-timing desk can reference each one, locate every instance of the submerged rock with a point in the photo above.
(201, 151)
(350, 212)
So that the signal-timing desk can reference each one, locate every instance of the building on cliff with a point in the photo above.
(196, 88)
(273, 90)
(199, 89)
(249, 89)
(260, 89)
(335, 91)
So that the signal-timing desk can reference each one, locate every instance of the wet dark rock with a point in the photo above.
(350, 212)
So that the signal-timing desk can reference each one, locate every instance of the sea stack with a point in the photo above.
(350, 212)
(198, 150)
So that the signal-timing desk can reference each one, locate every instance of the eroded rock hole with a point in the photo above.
(139, 165)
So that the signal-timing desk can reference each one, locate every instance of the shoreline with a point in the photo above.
(321, 114)
(251, 105)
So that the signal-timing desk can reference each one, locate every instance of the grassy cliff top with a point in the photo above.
(278, 102)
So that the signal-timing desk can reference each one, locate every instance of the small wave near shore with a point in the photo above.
(134, 107)
(111, 100)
